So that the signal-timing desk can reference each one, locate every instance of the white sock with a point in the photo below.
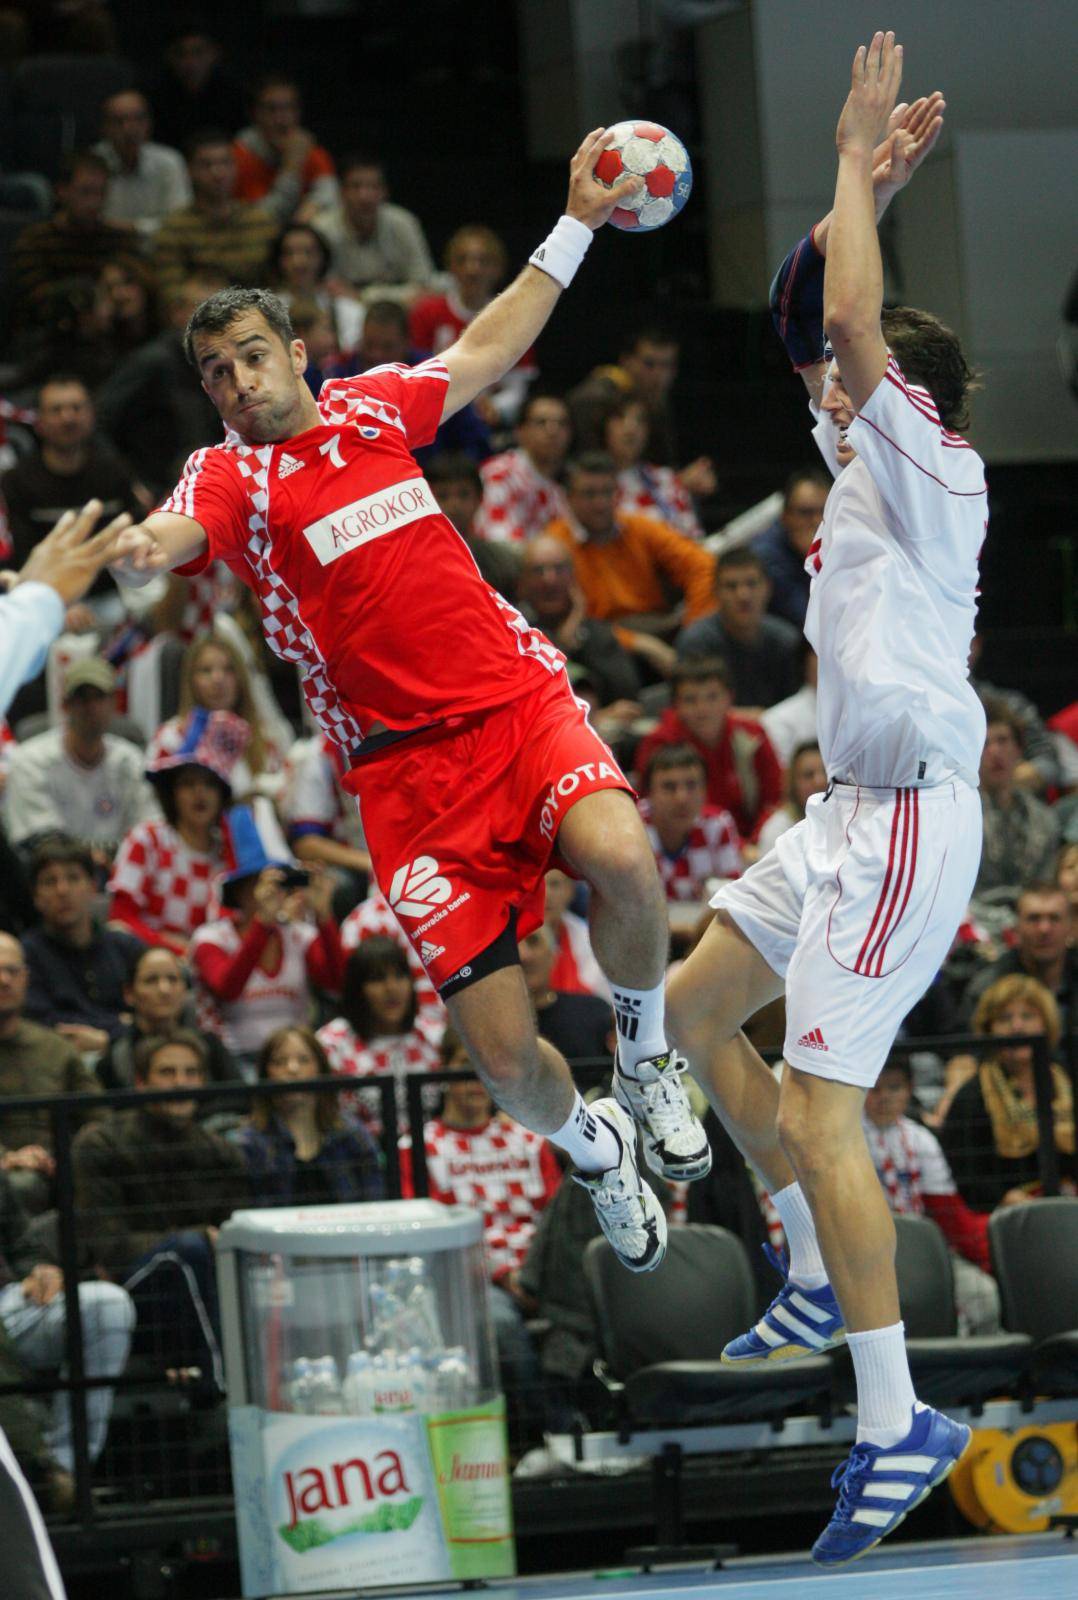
(588, 1141)
(806, 1263)
(885, 1397)
(639, 1014)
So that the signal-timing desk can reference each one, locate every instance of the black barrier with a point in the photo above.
(66, 1112)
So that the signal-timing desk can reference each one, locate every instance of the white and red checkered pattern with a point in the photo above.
(518, 501)
(374, 918)
(209, 592)
(647, 491)
(712, 850)
(500, 1169)
(398, 1057)
(170, 884)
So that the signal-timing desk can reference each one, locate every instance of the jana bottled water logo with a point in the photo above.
(328, 1490)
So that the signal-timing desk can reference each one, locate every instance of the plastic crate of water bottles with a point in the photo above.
(367, 1429)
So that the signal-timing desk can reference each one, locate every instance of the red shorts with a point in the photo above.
(461, 826)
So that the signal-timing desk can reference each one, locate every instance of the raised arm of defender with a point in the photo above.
(501, 333)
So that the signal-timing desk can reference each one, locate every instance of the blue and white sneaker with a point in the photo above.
(798, 1322)
(880, 1485)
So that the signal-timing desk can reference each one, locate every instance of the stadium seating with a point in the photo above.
(1035, 1256)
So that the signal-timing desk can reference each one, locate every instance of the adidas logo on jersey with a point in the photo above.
(417, 886)
(429, 952)
(813, 1040)
(288, 464)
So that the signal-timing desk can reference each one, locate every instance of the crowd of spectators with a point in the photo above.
(187, 889)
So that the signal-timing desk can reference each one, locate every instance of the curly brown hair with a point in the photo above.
(930, 355)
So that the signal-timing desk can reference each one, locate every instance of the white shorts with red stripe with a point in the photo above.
(856, 908)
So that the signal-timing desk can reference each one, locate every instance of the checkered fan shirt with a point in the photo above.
(169, 885)
(518, 501)
(397, 1057)
(712, 850)
(374, 918)
(500, 1169)
(657, 492)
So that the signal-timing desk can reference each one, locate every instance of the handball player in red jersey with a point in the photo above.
(474, 766)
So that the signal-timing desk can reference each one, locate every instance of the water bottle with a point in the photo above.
(421, 1305)
(300, 1389)
(394, 1385)
(357, 1396)
(453, 1380)
(326, 1388)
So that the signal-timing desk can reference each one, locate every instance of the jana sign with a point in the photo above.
(323, 1503)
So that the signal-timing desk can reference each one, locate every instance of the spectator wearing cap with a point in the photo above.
(784, 546)
(78, 969)
(147, 181)
(256, 967)
(762, 652)
(693, 841)
(743, 773)
(278, 162)
(79, 779)
(164, 874)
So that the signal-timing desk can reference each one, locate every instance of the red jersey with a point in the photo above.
(361, 579)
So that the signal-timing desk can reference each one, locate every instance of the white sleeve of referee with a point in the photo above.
(31, 617)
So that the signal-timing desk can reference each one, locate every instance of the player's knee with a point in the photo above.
(621, 868)
(504, 1060)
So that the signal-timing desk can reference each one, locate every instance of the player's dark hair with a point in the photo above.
(453, 466)
(361, 158)
(1000, 711)
(370, 960)
(813, 475)
(930, 355)
(669, 756)
(743, 555)
(59, 850)
(312, 233)
(699, 669)
(219, 312)
(142, 1057)
(81, 161)
(539, 397)
(594, 461)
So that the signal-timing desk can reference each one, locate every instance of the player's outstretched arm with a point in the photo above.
(797, 291)
(163, 541)
(853, 276)
(501, 333)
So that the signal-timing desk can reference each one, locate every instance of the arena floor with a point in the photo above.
(1044, 1567)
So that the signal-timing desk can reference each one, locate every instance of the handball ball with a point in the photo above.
(659, 157)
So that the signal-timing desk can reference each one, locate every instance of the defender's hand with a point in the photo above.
(590, 201)
(874, 84)
(911, 136)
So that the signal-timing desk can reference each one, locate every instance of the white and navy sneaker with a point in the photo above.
(629, 1214)
(675, 1144)
(880, 1485)
(798, 1322)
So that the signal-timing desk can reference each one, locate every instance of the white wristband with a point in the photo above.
(562, 251)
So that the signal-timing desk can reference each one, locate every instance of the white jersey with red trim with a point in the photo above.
(362, 581)
(893, 599)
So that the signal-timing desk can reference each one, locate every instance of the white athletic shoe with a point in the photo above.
(629, 1214)
(675, 1144)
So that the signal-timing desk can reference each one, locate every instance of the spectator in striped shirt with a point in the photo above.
(216, 232)
(693, 842)
(522, 491)
(74, 244)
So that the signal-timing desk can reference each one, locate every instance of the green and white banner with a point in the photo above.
(323, 1502)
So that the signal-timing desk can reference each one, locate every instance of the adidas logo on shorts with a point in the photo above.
(429, 952)
(813, 1040)
(288, 464)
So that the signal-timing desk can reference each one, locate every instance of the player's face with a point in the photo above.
(838, 406)
(889, 1099)
(702, 707)
(677, 797)
(627, 434)
(254, 379)
(592, 497)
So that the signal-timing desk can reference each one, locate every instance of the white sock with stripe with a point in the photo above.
(885, 1397)
(640, 1016)
(588, 1141)
(806, 1263)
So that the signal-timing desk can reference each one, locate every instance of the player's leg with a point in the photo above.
(530, 1080)
(602, 840)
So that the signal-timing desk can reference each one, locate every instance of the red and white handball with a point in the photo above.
(658, 156)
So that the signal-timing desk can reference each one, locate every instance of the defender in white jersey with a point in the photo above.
(854, 910)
